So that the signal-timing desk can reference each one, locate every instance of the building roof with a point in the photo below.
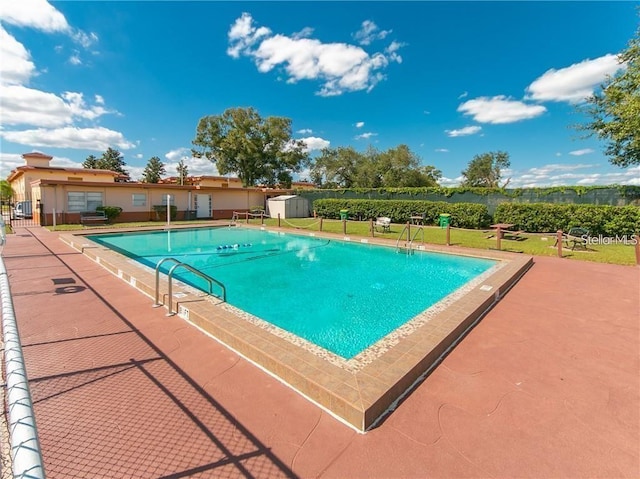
(17, 172)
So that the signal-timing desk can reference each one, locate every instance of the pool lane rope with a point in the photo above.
(25, 446)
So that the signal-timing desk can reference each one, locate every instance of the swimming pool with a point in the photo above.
(359, 390)
(341, 296)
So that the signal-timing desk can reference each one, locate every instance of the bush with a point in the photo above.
(161, 212)
(111, 212)
(547, 218)
(463, 215)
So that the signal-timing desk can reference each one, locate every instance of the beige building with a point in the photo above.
(60, 195)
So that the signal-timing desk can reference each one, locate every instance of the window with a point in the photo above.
(139, 200)
(172, 200)
(84, 200)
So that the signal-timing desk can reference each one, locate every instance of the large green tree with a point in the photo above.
(258, 150)
(344, 167)
(111, 159)
(615, 109)
(153, 171)
(486, 170)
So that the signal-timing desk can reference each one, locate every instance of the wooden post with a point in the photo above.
(246, 215)
(636, 237)
(448, 234)
(262, 218)
(408, 231)
(278, 220)
(371, 227)
(321, 223)
(498, 238)
(559, 243)
(344, 227)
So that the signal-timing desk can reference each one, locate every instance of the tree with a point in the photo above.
(183, 172)
(6, 192)
(90, 163)
(336, 167)
(397, 167)
(258, 150)
(110, 160)
(485, 170)
(615, 110)
(153, 171)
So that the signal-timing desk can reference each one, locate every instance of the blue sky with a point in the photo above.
(449, 79)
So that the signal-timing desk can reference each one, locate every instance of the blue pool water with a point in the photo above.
(341, 296)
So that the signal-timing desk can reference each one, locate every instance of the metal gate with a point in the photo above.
(19, 211)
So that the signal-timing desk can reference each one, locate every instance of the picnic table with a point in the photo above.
(501, 228)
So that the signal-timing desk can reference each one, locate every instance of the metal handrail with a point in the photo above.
(157, 303)
(206, 277)
(409, 243)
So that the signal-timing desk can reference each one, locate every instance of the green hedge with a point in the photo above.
(463, 215)
(545, 218)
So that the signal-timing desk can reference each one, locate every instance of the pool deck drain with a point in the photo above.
(357, 396)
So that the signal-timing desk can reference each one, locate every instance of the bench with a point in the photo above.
(93, 217)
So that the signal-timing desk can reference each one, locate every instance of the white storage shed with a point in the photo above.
(288, 206)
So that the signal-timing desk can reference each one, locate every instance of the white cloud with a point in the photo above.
(584, 151)
(41, 15)
(360, 124)
(339, 66)
(574, 83)
(572, 174)
(305, 131)
(365, 136)
(98, 138)
(99, 99)
(17, 67)
(466, 131)
(441, 150)
(8, 162)
(500, 109)
(462, 95)
(370, 32)
(75, 59)
(315, 143)
(195, 166)
(138, 156)
(26, 106)
(38, 14)
(178, 154)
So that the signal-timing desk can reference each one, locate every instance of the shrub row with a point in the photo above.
(545, 217)
(463, 215)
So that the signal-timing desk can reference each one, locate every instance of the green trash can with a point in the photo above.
(445, 219)
(344, 215)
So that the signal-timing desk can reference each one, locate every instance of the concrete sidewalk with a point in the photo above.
(546, 386)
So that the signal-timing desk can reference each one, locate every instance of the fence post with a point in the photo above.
(499, 238)
(371, 227)
(246, 215)
(448, 234)
(636, 237)
(278, 220)
(408, 232)
(559, 243)
(262, 217)
(344, 227)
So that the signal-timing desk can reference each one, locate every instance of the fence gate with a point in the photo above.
(19, 211)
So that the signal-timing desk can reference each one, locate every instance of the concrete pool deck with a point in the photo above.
(546, 385)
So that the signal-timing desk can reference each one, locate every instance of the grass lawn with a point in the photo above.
(530, 243)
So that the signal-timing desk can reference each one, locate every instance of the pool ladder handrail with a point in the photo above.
(180, 264)
(409, 243)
